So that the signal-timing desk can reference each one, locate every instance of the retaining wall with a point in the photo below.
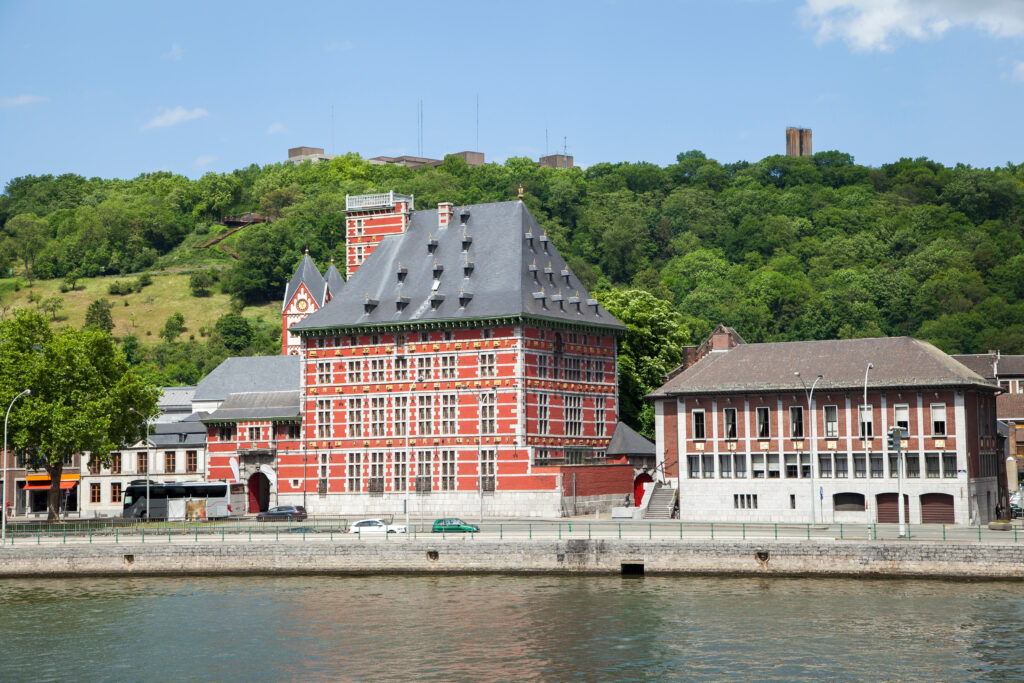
(569, 556)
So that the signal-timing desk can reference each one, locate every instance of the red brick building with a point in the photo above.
(462, 367)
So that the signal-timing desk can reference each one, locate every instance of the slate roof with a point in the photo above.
(176, 397)
(898, 362)
(306, 274)
(626, 441)
(981, 363)
(335, 282)
(263, 405)
(492, 260)
(249, 373)
(188, 432)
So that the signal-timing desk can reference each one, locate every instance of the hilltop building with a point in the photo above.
(296, 155)
(798, 142)
(556, 161)
(471, 158)
(741, 440)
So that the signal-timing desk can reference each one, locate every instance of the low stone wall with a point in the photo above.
(463, 554)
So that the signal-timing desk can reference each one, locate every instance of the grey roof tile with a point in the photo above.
(249, 373)
(306, 274)
(264, 405)
(508, 268)
(335, 282)
(626, 441)
(985, 364)
(898, 361)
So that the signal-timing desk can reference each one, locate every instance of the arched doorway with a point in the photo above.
(259, 493)
(638, 487)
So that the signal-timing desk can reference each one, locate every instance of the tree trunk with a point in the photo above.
(54, 495)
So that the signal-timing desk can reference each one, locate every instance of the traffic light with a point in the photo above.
(896, 434)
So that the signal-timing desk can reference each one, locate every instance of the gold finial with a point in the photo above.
(520, 190)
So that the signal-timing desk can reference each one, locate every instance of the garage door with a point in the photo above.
(937, 508)
(888, 513)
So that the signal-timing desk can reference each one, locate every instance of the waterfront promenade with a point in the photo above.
(520, 547)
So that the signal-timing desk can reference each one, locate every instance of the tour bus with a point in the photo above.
(167, 501)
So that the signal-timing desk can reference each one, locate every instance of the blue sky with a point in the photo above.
(115, 89)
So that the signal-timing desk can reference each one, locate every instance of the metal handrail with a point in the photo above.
(369, 201)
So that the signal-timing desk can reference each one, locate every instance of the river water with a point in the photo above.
(501, 628)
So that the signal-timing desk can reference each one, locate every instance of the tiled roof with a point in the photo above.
(178, 434)
(335, 283)
(897, 361)
(491, 260)
(627, 441)
(176, 397)
(306, 274)
(984, 364)
(249, 373)
(264, 405)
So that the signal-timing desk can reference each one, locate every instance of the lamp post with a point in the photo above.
(148, 464)
(867, 454)
(3, 504)
(810, 414)
(479, 452)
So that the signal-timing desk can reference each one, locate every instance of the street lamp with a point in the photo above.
(148, 463)
(409, 415)
(814, 436)
(3, 505)
(867, 452)
(479, 452)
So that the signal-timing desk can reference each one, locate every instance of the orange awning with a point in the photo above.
(45, 485)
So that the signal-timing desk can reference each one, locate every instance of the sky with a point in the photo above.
(115, 89)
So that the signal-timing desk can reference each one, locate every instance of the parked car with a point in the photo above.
(454, 524)
(375, 526)
(283, 512)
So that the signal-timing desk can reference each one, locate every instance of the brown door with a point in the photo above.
(888, 513)
(937, 508)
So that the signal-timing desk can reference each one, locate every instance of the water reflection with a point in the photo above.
(499, 628)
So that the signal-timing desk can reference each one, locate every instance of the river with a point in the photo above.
(501, 628)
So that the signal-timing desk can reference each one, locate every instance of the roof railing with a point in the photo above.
(373, 201)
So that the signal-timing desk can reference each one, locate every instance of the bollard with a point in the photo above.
(65, 535)
(115, 536)
(531, 529)
(840, 531)
(712, 531)
(650, 530)
(588, 529)
(501, 531)
(559, 531)
(776, 531)
(620, 530)
(808, 532)
(143, 534)
(944, 533)
(743, 528)
(979, 532)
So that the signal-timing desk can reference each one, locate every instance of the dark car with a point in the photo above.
(454, 524)
(283, 512)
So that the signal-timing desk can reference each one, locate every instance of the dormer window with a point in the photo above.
(369, 304)
(593, 304)
(431, 244)
(529, 238)
(544, 242)
(436, 300)
(401, 272)
(533, 271)
(401, 302)
(560, 300)
(464, 298)
(438, 269)
(550, 272)
(575, 301)
(467, 240)
(565, 274)
(542, 298)
(464, 216)
(467, 268)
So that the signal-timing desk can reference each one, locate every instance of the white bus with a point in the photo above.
(167, 501)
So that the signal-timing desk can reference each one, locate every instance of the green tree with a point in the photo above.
(173, 328)
(200, 283)
(234, 330)
(82, 390)
(28, 233)
(97, 316)
(651, 347)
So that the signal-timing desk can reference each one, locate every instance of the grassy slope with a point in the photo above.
(168, 294)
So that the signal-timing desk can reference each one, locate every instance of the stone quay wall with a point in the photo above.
(582, 556)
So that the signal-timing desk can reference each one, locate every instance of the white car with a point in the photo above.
(375, 526)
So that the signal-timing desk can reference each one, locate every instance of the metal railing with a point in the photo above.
(336, 528)
(371, 201)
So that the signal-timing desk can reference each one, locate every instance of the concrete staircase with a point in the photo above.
(663, 500)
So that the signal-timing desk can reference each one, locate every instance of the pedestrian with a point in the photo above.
(999, 511)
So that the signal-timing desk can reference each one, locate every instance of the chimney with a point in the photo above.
(445, 211)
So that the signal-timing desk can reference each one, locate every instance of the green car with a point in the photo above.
(453, 524)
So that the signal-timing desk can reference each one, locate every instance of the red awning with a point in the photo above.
(45, 485)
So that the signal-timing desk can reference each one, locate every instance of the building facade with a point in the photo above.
(741, 438)
(462, 368)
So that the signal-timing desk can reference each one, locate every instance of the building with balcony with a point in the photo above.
(739, 436)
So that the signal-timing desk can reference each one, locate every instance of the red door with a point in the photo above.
(254, 493)
(638, 487)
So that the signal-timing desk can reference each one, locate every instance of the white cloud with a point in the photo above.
(176, 52)
(275, 128)
(338, 46)
(172, 117)
(21, 100)
(1018, 72)
(869, 25)
(205, 160)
